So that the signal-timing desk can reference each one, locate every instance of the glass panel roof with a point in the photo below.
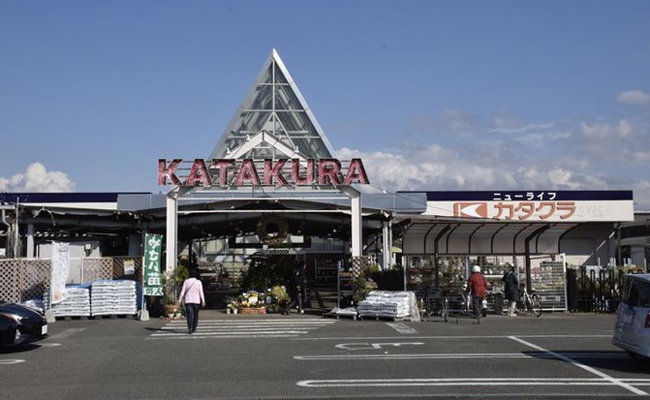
(275, 105)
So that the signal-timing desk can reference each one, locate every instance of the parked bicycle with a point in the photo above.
(529, 303)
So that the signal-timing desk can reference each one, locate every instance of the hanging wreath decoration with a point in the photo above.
(272, 229)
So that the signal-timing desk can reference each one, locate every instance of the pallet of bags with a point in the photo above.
(387, 304)
(118, 297)
(75, 304)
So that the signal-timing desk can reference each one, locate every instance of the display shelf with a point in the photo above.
(326, 273)
(346, 283)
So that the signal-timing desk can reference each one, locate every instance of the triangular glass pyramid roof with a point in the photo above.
(274, 121)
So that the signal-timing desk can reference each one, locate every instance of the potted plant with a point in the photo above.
(172, 284)
(249, 303)
(232, 305)
(170, 305)
(281, 299)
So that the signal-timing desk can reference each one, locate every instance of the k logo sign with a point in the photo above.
(471, 210)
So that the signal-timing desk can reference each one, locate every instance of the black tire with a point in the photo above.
(536, 305)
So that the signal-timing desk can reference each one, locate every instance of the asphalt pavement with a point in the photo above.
(558, 355)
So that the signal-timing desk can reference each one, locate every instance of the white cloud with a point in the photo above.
(634, 97)
(439, 168)
(603, 130)
(434, 167)
(598, 153)
(641, 157)
(447, 122)
(500, 128)
(37, 179)
(641, 193)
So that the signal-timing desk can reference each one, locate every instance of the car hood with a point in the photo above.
(25, 312)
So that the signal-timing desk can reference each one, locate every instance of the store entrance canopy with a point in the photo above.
(509, 222)
(454, 237)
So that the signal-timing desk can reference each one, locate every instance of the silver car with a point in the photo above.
(632, 330)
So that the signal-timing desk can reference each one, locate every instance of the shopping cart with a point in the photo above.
(459, 304)
(435, 305)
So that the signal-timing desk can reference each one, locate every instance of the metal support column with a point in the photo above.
(436, 253)
(17, 230)
(619, 257)
(30, 241)
(357, 227)
(171, 231)
(386, 245)
(527, 250)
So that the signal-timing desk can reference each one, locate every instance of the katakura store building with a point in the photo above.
(273, 187)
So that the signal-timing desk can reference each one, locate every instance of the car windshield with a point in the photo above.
(636, 293)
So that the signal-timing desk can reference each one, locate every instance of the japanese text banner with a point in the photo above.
(535, 210)
(152, 254)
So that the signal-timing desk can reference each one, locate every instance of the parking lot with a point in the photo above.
(302, 356)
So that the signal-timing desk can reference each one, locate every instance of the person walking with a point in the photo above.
(511, 290)
(301, 285)
(192, 296)
(477, 286)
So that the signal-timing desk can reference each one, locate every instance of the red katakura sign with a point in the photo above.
(250, 172)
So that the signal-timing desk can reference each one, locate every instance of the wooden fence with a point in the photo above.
(23, 279)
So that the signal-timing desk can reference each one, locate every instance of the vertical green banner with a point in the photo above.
(152, 283)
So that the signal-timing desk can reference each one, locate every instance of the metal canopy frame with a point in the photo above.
(482, 238)
(454, 237)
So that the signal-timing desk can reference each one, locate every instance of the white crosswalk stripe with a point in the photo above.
(228, 329)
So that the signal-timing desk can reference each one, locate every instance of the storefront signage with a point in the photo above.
(535, 211)
(528, 196)
(250, 172)
(152, 276)
(533, 205)
(129, 267)
(522, 210)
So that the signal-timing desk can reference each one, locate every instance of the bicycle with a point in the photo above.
(530, 303)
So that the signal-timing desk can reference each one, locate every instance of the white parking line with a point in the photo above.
(469, 382)
(402, 328)
(66, 333)
(455, 337)
(10, 361)
(452, 356)
(594, 371)
(374, 346)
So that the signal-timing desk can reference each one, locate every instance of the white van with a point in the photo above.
(632, 330)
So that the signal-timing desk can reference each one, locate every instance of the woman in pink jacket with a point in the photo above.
(192, 296)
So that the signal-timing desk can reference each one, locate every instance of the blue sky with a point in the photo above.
(434, 95)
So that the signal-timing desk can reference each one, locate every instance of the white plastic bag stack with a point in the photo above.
(75, 304)
(113, 297)
(380, 303)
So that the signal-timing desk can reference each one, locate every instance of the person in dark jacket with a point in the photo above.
(511, 290)
(477, 286)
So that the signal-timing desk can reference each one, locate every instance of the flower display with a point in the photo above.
(272, 299)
